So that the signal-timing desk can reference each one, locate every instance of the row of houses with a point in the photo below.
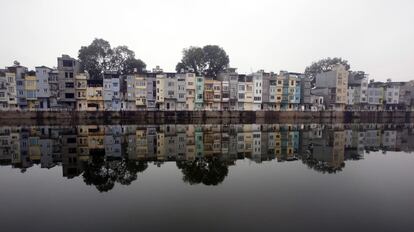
(66, 88)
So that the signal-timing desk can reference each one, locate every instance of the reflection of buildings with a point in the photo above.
(322, 147)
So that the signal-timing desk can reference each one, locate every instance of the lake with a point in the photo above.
(215, 177)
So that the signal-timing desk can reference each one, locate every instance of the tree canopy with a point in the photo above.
(324, 65)
(208, 60)
(99, 57)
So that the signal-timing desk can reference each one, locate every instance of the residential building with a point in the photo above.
(208, 93)
(305, 92)
(392, 95)
(95, 95)
(333, 86)
(19, 73)
(290, 91)
(217, 88)
(112, 91)
(181, 92)
(166, 91)
(54, 90)
(376, 96)
(229, 80)
(81, 92)
(407, 95)
(357, 91)
(271, 103)
(229, 77)
(248, 102)
(43, 87)
(68, 67)
(190, 86)
(151, 91)
(258, 90)
(199, 93)
(4, 99)
(241, 92)
(31, 90)
(130, 95)
(141, 91)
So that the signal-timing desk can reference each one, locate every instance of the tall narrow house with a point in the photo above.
(43, 87)
(68, 67)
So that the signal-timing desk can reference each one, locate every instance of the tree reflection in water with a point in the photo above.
(208, 171)
(103, 174)
(107, 155)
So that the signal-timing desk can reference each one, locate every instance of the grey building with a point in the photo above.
(305, 90)
(43, 87)
(181, 93)
(54, 89)
(151, 90)
(68, 67)
(231, 76)
(20, 72)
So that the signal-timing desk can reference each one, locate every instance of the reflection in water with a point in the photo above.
(105, 155)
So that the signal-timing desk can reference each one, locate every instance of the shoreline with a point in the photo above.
(196, 117)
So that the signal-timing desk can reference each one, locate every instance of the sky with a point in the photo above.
(375, 36)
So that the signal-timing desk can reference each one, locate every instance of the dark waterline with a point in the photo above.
(297, 177)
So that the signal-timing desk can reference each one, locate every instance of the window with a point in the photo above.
(69, 85)
(67, 63)
(241, 95)
(241, 87)
(69, 95)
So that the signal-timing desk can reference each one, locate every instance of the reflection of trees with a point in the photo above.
(103, 174)
(209, 171)
(321, 166)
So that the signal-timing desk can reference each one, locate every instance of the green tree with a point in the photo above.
(324, 65)
(193, 60)
(123, 60)
(99, 57)
(96, 57)
(216, 60)
(208, 61)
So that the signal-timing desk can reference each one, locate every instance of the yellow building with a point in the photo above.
(81, 92)
(140, 91)
(94, 95)
(248, 102)
(31, 89)
(279, 92)
(208, 93)
(190, 90)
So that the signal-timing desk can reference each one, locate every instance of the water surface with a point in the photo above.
(296, 177)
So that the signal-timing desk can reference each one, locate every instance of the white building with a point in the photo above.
(257, 90)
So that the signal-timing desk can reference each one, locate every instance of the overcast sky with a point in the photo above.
(376, 36)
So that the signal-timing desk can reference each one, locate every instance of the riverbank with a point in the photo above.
(144, 117)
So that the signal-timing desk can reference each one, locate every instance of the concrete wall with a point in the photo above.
(142, 117)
